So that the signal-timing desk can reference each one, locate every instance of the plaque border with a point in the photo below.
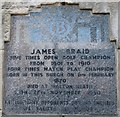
(24, 8)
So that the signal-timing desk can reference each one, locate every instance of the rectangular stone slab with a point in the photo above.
(60, 61)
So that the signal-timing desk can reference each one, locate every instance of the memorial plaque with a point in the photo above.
(60, 61)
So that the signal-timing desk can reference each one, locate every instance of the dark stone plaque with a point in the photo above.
(60, 61)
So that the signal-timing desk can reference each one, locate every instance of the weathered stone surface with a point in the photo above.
(71, 44)
(1, 39)
(1, 77)
(105, 7)
(118, 26)
(118, 68)
(97, 7)
(6, 26)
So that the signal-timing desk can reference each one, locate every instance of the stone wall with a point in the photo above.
(97, 6)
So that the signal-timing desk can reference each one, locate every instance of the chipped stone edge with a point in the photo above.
(7, 20)
(96, 7)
